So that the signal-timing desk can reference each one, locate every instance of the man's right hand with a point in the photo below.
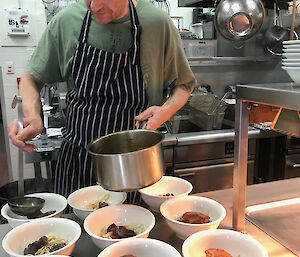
(32, 127)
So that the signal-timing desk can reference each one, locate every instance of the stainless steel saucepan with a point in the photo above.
(128, 160)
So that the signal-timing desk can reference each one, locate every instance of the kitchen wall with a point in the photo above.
(17, 51)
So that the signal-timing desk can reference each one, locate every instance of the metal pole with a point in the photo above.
(240, 165)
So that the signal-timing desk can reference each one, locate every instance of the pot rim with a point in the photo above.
(88, 147)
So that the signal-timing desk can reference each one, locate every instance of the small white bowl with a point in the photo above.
(16, 240)
(144, 247)
(233, 242)
(121, 215)
(79, 199)
(294, 73)
(174, 208)
(52, 202)
(167, 184)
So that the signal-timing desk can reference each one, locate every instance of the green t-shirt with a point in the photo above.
(162, 57)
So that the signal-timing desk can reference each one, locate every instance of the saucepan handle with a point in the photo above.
(21, 165)
(143, 124)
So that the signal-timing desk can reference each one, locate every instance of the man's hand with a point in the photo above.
(32, 127)
(155, 115)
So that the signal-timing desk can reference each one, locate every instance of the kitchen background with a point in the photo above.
(217, 64)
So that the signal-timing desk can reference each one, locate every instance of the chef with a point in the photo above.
(118, 58)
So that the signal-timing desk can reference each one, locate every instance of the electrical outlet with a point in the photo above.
(10, 68)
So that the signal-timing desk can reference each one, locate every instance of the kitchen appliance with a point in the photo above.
(238, 20)
(128, 160)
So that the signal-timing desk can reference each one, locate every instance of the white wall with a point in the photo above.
(185, 12)
(18, 50)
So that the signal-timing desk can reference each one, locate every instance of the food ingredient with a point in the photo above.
(99, 203)
(194, 218)
(217, 253)
(46, 244)
(118, 232)
(167, 194)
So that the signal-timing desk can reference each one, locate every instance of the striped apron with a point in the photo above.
(108, 93)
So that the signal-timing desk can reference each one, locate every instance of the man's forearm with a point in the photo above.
(30, 91)
(179, 97)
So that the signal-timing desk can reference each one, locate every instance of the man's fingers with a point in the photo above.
(28, 148)
(144, 115)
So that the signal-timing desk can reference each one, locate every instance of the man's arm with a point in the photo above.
(29, 89)
(157, 115)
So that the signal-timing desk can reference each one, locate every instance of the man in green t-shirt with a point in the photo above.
(118, 58)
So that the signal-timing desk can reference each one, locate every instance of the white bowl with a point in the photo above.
(291, 55)
(233, 242)
(290, 60)
(144, 247)
(121, 215)
(167, 184)
(291, 50)
(294, 73)
(174, 208)
(291, 64)
(52, 202)
(295, 46)
(79, 199)
(16, 240)
(291, 42)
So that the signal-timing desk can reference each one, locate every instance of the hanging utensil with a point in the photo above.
(293, 20)
(239, 20)
(275, 35)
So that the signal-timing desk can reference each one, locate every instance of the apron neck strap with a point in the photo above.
(136, 31)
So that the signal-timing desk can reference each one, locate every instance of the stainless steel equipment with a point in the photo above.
(128, 160)
(239, 20)
(280, 220)
(285, 95)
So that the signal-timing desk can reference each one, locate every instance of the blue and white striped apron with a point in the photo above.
(108, 93)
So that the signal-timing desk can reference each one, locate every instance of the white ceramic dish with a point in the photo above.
(291, 64)
(294, 73)
(233, 242)
(122, 215)
(16, 240)
(291, 42)
(167, 184)
(297, 46)
(79, 199)
(52, 202)
(288, 50)
(144, 247)
(291, 55)
(174, 208)
(290, 60)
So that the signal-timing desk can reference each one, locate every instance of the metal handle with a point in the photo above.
(21, 165)
(143, 124)
(297, 165)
